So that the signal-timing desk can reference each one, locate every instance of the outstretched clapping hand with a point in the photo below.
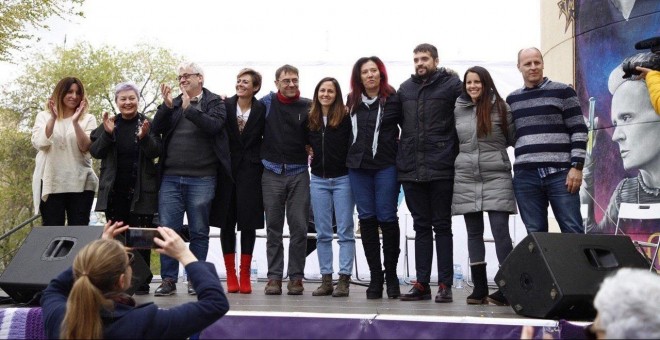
(79, 110)
(52, 108)
(108, 123)
(185, 98)
(166, 92)
(173, 246)
(144, 129)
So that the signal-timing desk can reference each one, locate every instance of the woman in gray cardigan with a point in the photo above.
(482, 180)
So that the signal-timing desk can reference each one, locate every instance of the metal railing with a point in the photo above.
(19, 227)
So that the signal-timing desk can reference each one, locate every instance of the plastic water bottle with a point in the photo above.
(185, 276)
(254, 271)
(458, 276)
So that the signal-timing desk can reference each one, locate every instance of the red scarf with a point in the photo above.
(286, 100)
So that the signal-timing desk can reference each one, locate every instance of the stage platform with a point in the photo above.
(258, 316)
(305, 316)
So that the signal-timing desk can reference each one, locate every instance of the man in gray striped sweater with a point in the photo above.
(551, 140)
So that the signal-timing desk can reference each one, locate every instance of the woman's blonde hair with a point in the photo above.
(96, 269)
(60, 92)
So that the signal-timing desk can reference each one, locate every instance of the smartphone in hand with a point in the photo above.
(142, 238)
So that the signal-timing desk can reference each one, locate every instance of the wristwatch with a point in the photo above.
(577, 165)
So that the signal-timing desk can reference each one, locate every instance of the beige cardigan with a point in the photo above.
(60, 165)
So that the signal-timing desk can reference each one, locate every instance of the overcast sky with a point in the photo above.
(305, 32)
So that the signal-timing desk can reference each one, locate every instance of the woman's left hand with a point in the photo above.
(79, 110)
(108, 123)
(144, 129)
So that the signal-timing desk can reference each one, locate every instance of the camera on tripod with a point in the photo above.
(650, 60)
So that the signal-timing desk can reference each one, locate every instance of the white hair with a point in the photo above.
(127, 86)
(192, 66)
(627, 307)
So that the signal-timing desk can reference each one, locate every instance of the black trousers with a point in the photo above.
(119, 209)
(73, 208)
(430, 206)
(499, 226)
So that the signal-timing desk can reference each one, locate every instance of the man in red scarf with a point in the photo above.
(285, 181)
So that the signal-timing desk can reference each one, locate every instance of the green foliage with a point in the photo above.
(99, 69)
(16, 167)
(16, 16)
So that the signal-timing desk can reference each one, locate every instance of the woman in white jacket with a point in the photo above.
(63, 183)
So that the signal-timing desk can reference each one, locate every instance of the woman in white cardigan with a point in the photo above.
(63, 183)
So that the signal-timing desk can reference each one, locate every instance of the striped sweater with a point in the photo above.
(550, 128)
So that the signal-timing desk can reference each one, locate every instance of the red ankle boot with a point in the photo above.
(246, 285)
(232, 280)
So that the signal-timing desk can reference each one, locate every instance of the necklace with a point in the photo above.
(647, 189)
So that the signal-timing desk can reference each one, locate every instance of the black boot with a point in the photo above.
(371, 245)
(391, 250)
(498, 298)
(480, 292)
(375, 289)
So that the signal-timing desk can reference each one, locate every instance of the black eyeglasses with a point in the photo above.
(187, 76)
(288, 82)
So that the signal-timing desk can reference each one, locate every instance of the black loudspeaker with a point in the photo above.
(557, 275)
(48, 251)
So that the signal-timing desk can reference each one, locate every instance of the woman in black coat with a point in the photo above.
(240, 202)
(128, 185)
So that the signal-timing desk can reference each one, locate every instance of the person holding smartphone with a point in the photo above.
(88, 300)
(128, 190)
(63, 182)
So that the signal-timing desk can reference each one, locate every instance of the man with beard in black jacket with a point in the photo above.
(425, 163)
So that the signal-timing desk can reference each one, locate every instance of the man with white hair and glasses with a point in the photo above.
(195, 148)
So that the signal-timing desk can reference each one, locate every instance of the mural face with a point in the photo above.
(626, 151)
(636, 127)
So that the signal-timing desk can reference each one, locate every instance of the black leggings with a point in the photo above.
(499, 226)
(228, 240)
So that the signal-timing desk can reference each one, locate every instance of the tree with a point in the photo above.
(99, 69)
(16, 166)
(16, 16)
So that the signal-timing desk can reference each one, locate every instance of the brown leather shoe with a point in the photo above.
(295, 287)
(273, 287)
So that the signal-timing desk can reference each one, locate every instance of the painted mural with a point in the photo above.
(623, 163)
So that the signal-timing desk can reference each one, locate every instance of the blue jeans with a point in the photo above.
(533, 194)
(328, 193)
(376, 192)
(192, 196)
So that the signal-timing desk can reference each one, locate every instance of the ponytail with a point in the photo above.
(83, 319)
(97, 269)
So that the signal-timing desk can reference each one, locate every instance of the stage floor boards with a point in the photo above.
(355, 303)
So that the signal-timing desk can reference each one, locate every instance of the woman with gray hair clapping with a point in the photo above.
(128, 189)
